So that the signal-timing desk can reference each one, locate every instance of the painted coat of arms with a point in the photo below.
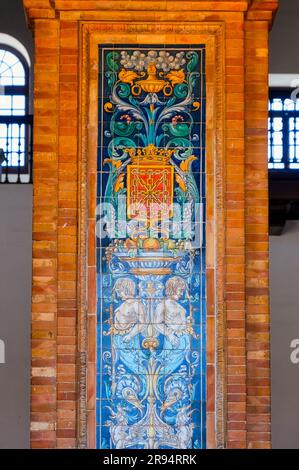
(151, 364)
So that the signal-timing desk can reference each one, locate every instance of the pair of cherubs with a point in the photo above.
(170, 317)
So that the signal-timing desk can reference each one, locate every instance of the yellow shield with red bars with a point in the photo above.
(150, 187)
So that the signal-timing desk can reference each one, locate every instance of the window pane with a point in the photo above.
(5, 105)
(289, 105)
(19, 102)
(2, 131)
(291, 138)
(291, 124)
(293, 141)
(12, 105)
(12, 140)
(277, 153)
(292, 153)
(6, 78)
(277, 138)
(277, 124)
(11, 69)
(277, 104)
(18, 71)
(294, 166)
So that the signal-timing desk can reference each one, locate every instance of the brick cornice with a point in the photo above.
(266, 5)
(262, 10)
(41, 9)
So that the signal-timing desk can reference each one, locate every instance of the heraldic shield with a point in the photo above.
(150, 182)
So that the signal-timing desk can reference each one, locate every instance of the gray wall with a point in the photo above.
(13, 22)
(284, 263)
(15, 278)
(284, 281)
(15, 295)
(284, 39)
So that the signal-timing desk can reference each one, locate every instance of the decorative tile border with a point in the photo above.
(211, 36)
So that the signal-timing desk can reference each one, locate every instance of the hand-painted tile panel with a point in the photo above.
(151, 333)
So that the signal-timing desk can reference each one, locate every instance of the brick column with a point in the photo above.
(235, 245)
(45, 225)
(67, 236)
(257, 282)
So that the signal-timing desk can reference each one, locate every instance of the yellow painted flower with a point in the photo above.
(176, 77)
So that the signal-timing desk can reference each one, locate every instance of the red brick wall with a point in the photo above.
(235, 237)
(45, 231)
(56, 203)
(67, 236)
(256, 229)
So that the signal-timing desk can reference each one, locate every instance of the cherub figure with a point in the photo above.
(118, 427)
(171, 319)
(184, 428)
(129, 317)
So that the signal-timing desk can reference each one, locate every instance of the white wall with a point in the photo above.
(284, 291)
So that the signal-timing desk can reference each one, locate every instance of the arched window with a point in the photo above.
(15, 121)
(13, 68)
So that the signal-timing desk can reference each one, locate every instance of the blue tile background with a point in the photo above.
(127, 372)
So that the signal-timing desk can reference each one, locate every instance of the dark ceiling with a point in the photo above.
(284, 39)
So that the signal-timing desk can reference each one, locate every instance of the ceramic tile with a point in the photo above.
(151, 268)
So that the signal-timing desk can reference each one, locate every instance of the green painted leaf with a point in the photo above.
(111, 60)
(180, 129)
(181, 91)
(123, 90)
(193, 60)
